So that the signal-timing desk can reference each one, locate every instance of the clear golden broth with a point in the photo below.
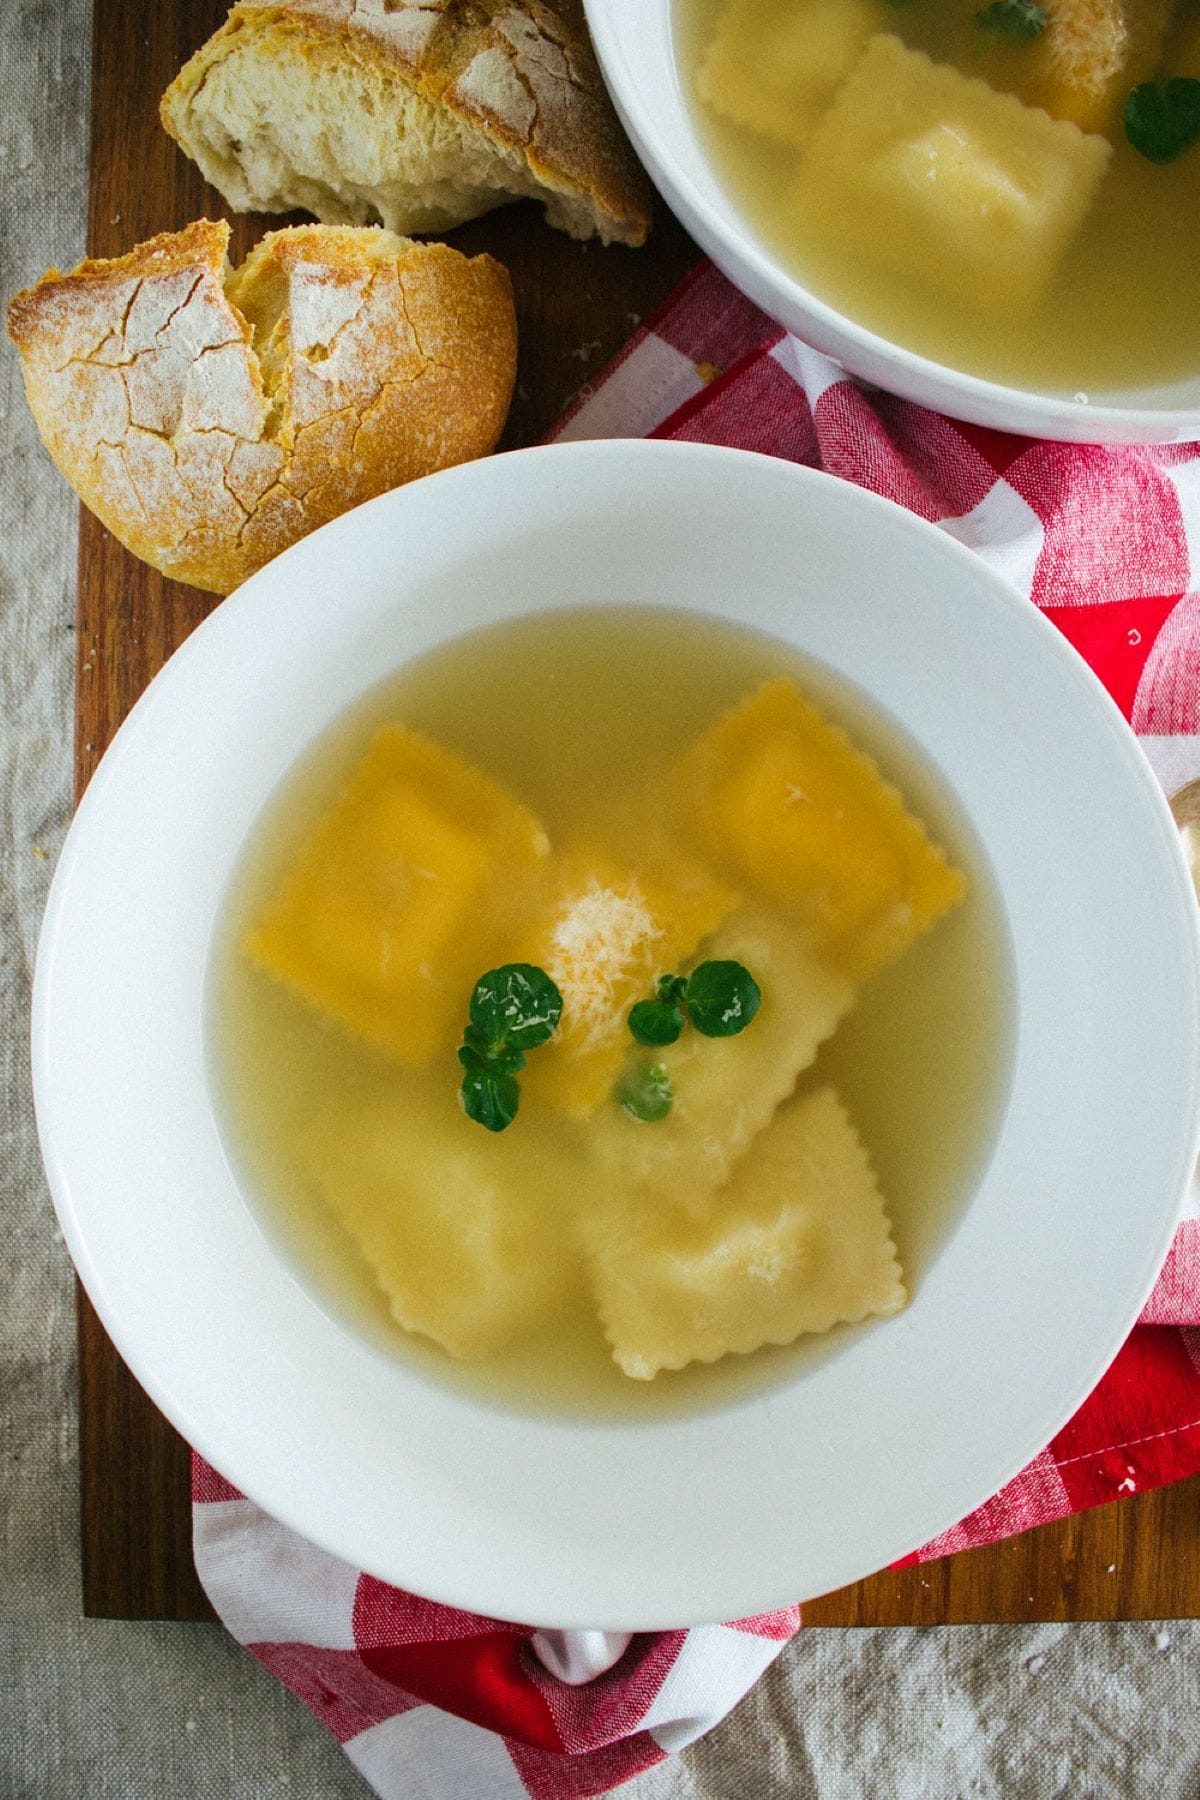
(921, 1062)
(1123, 309)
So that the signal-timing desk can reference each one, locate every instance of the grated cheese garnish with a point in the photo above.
(599, 947)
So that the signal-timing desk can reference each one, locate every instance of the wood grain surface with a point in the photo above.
(576, 305)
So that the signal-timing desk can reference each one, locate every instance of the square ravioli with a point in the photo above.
(604, 932)
(469, 1237)
(985, 190)
(396, 902)
(798, 1241)
(726, 1090)
(783, 802)
(802, 53)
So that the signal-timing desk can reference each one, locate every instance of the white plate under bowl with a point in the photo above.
(635, 43)
(910, 1424)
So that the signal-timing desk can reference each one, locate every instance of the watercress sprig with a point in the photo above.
(512, 1009)
(645, 1093)
(1161, 122)
(719, 998)
(490, 1097)
(722, 998)
(660, 1020)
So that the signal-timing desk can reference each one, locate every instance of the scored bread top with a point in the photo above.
(211, 417)
(422, 113)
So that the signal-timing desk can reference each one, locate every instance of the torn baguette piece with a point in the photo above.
(418, 113)
(211, 417)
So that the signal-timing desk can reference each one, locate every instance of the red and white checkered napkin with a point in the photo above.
(434, 1704)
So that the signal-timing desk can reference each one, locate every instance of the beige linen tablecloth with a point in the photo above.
(115, 1711)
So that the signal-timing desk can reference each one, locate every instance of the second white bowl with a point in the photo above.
(635, 43)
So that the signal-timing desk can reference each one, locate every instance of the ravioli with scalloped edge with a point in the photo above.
(984, 189)
(782, 802)
(798, 1241)
(604, 931)
(726, 1090)
(470, 1237)
(802, 55)
(390, 913)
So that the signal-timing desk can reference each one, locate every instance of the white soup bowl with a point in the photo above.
(635, 43)
(905, 1426)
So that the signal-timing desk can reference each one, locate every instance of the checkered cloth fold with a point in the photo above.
(435, 1704)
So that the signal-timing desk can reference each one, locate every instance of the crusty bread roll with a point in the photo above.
(210, 417)
(418, 113)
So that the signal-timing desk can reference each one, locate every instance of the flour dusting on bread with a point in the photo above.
(420, 115)
(211, 417)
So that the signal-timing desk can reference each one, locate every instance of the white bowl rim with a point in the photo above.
(877, 359)
(517, 1579)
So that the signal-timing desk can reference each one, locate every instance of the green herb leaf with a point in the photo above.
(475, 1039)
(480, 1052)
(1013, 18)
(1162, 122)
(671, 988)
(655, 1022)
(504, 1062)
(722, 998)
(515, 1007)
(489, 1098)
(645, 1093)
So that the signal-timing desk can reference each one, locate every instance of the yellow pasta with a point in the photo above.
(798, 1241)
(988, 191)
(467, 1235)
(605, 932)
(727, 1089)
(515, 1189)
(800, 56)
(391, 911)
(782, 801)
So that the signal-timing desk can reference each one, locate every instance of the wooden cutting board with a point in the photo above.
(576, 304)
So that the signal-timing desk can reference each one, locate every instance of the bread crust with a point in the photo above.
(211, 417)
(520, 72)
